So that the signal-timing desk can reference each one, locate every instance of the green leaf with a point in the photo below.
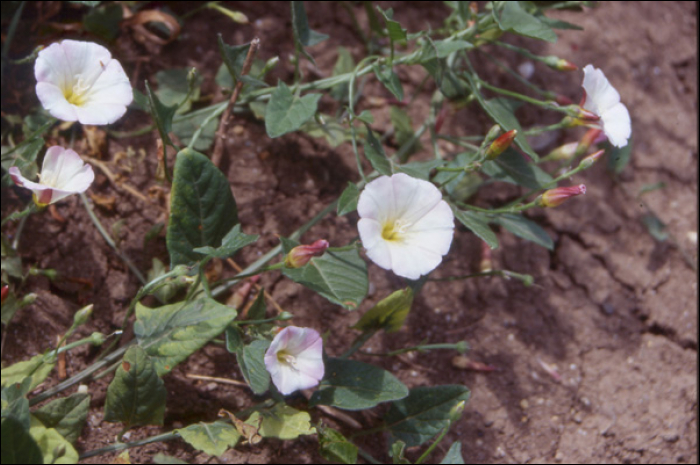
(502, 110)
(403, 131)
(252, 362)
(424, 413)
(348, 199)
(162, 115)
(398, 453)
(339, 276)
(335, 448)
(389, 314)
(234, 58)
(24, 158)
(259, 308)
(18, 446)
(211, 438)
(394, 29)
(303, 34)
(618, 158)
(287, 112)
(282, 422)
(353, 385)
(171, 333)
(35, 367)
(66, 415)
(136, 395)
(478, 225)
(104, 22)
(184, 127)
(14, 402)
(511, 167)
(166, 292)
(334, 132)
(454, 455)
(557, 23)
(419, 169)
(375, 154)
(11, 261)
(343, 65)
(234, 241)
(202, 208)
(526, 229)
(53, 446)
(512, 17)
(91, 4)
(446, 48)
(174, 87)
(162, 459)
(234, 339)
(390, 79)
(451, 86)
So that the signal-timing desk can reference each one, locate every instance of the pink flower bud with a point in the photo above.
(501, 144)
(300, 255)
(557, 196)
(5, 293)
(559, 64)
(563, 100)
(591, 137)
(587, 115)
(591, 159)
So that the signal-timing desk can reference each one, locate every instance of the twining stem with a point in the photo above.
(359, 342)
(247, 64)
(460, 347)
(31, 208)
(435, 443)
(513, 209)
(108, 239)
(128, 445)
(12, 29)
(526, 279)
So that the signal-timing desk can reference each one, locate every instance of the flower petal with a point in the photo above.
(54, 101)
(413, 198)
(600, 95)
(411, 261)
(617, 125)
(377, 200)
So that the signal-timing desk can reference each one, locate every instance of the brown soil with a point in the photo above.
(613, 310)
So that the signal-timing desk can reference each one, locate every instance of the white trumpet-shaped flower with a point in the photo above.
(602, 99)
(80, 81)
(405, 226)
(295, 359)
(62, 174)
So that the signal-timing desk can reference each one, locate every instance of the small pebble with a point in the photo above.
(524, 404)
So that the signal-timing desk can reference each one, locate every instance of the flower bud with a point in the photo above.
(97, 339)
(82, 315)
(591, 159)
(300, 255)
(557, 196)
(285, 316)
(591, 137)
(28, 300)
(586, 115)
(501, 144)
(563, 100)
(564, 152)
(493, 133)
(5, 293)
(559, 64)
(486, 263)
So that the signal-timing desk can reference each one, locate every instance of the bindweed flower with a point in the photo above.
(62, 174)
(80, 81)
(300, 255)
(405, 226)
(559, 195)
(602, 99)
(295, 359)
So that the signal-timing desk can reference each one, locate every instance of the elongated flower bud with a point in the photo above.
(557, 196)
(564, 152)
(591, 159)
(486, 263)
(591, 137)
(82, 315)
(5, 293)
(559, 64)
(501, 144)
(300, 255)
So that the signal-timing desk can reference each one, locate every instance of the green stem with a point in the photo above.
(435, 443)
(526, 279)
(511, 209)
(82, 376)
(105, 235)
(128, 445)
(359, 342)
(366, 455)
(30, 209)
(460, 347)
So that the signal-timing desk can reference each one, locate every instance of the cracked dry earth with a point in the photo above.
(595, 363)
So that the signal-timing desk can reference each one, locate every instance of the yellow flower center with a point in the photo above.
(393, 230)
(286, 358)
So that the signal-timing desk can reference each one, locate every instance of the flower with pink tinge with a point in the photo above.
(405, 226)
(557, 196)
(80, 81)
(295, 359)
(602, 99)
(62, 174)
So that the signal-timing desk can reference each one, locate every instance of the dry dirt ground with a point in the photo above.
(613, 311)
